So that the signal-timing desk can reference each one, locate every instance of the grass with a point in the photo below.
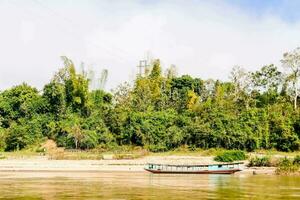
(49, 149)
(78, 155)
(121, 152)
(19, 154)
(273, 152)
(2, 157)
(71, 155)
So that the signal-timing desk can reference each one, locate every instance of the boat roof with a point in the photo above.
(203, 165)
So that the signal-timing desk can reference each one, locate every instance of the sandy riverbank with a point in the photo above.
(43, 164)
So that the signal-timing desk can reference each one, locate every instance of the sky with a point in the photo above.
(202, 38)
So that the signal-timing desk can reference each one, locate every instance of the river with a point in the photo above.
(138, 185)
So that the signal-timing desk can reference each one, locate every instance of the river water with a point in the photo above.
(118, 186)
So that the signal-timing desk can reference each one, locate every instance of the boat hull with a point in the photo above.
(194, 172)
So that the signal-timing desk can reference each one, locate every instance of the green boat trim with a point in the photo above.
(220, 168)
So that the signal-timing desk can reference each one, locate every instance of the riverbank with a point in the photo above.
(43, 164)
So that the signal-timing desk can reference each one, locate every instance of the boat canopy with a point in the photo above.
(208, 165)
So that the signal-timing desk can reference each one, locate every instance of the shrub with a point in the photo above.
(286, 166)
(17, 138)
(2, 139)
(90, 140)
(157, 148)
(230, 156)
(125, 156)
(192, 148)
(40, 150)
(296, 160)
(260, 162)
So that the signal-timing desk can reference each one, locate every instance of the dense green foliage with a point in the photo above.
(254, 110)
(230, 156)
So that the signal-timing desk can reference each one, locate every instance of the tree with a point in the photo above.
(267, 78)
(20, 101)
(142, 95)
(76, 86)
(241, 81)
(55, 96)
(17, 137)
(20, 135)
(171, 72)
(76, 133)
(147, 93)
(185, 91)
(291, 60)
(267, 81)
(71, 125)
(156, 70)
(156, 112)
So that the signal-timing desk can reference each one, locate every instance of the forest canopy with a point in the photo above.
(159, 111)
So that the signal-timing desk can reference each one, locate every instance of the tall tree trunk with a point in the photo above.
(296, 94)
(295, 99)
(76, 143)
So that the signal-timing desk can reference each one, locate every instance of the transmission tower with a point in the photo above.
(142, 67)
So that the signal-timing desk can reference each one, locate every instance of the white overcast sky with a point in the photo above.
(202, 38)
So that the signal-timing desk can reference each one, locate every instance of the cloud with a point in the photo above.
(27, 31)
(204, 39)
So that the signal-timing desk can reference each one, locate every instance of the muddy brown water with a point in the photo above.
(143, 185)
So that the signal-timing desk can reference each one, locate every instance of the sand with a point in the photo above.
(43, 164)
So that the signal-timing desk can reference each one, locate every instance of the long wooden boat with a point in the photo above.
(228, 168)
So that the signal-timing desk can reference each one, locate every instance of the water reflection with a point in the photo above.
(145, 186)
